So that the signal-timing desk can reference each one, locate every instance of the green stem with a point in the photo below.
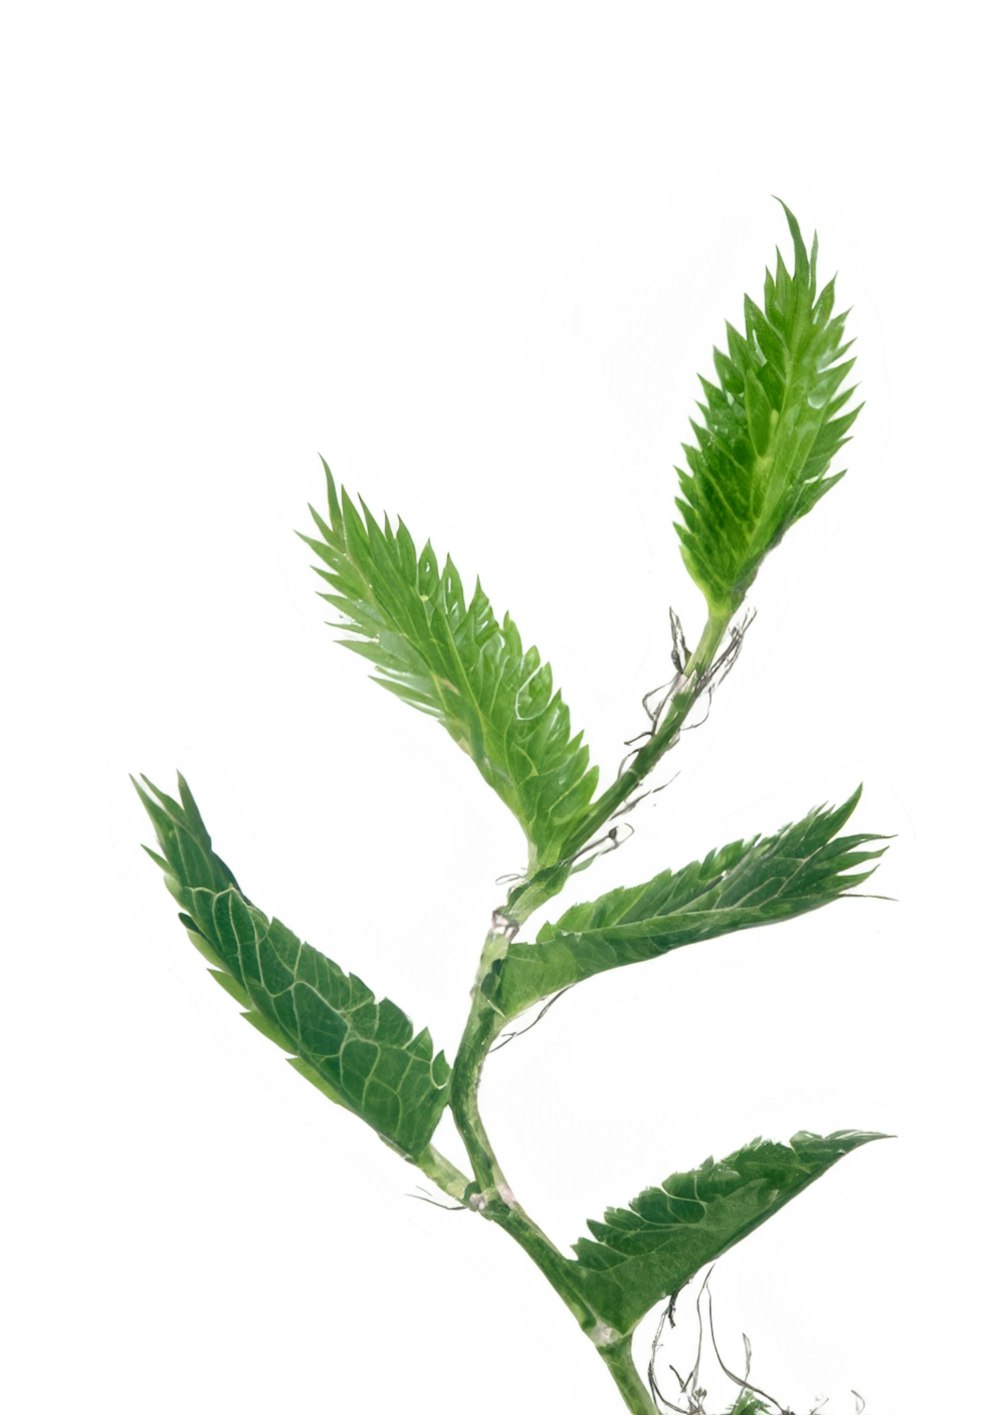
(698, 664)
(493, 1198)
(618, 1359)
(481, 1030)
(542, 885)
(490, 1194)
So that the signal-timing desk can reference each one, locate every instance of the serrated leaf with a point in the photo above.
(743, 885)
(361, 1052)
(766, 445)
(638, 1256)
(456, 661)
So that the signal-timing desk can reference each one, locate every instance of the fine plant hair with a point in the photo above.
(769, 426)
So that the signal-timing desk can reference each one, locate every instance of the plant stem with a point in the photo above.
(495, 1199)
(496, 1202)
(699, 662)
(618, 1359)
(543, 884)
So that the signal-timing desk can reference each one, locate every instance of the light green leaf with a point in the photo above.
(457, 662)
(640, 1255)
(749, 1404)
(768, 432)
(361, 1053)
(741, 886)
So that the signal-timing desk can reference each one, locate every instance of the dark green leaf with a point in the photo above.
(640, 1255)
(360, 1052)
(743, 885)
(767, 440)
(456, 661)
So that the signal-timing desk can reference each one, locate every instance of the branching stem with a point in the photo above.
(492, 1195)
(495, 1201)
(545, 883)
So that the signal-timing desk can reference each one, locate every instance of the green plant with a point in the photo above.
(769, 428)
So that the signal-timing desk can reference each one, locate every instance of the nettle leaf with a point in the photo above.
(361, 1053)
(453, 659)
(638, 1256)
(741, 886)
(769, 430)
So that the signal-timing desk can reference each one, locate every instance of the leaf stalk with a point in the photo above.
(445, 1175)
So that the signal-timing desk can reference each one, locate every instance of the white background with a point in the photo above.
(475, 255)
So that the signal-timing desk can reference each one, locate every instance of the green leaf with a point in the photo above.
(361, 1053)
(743, 885)
(769, 433)
(640, 1255)
(456, 661)
(749, 1404)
